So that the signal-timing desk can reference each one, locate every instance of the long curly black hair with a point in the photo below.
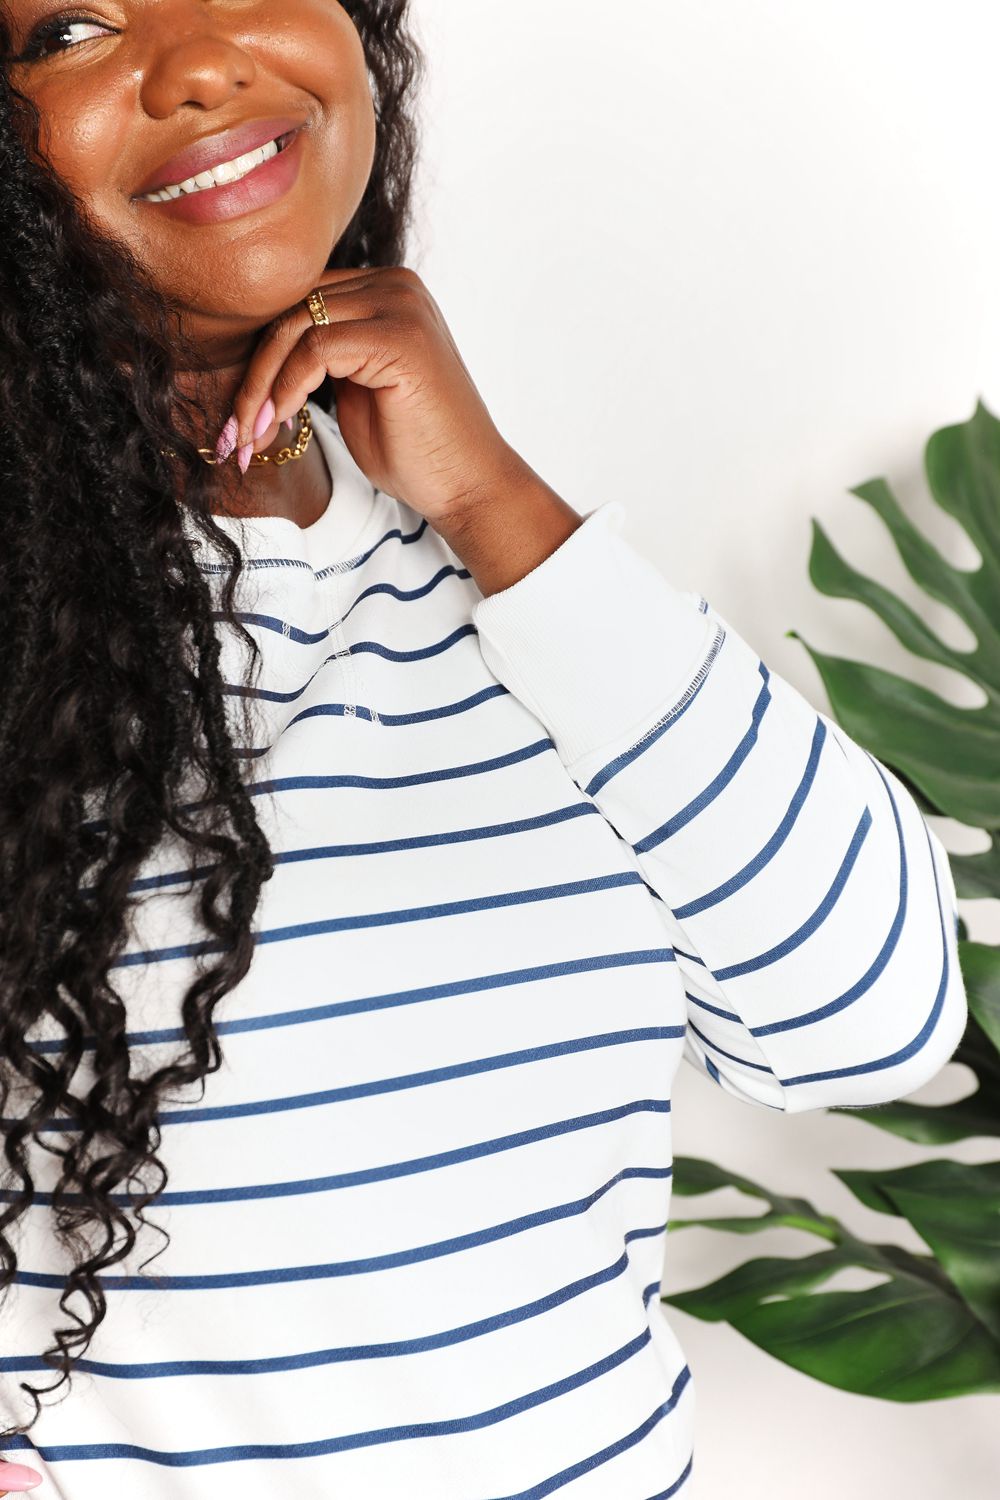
(111, 694)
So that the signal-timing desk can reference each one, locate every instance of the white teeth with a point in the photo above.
(225, 172)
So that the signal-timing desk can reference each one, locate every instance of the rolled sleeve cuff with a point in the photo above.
(595, 638)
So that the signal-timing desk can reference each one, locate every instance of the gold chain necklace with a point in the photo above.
(283, 456)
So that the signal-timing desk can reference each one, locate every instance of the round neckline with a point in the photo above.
(331, 537)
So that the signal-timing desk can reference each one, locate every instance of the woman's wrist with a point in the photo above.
(509, 525)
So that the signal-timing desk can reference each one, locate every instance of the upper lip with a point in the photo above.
(221, 146)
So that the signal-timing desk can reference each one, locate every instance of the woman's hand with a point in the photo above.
(407, 407)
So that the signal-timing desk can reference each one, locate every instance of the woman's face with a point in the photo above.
(125, 85)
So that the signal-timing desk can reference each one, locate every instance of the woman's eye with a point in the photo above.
(39, 44)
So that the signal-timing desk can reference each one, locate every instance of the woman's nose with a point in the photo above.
(201, 69)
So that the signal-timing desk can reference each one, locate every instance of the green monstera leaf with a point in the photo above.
(947, 756)
(955, 1208)
(918, 1335)
(930, 1328)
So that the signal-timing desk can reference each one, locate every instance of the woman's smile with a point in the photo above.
(237, 185)
(220, 152)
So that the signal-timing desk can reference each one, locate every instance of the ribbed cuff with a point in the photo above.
(594, 639)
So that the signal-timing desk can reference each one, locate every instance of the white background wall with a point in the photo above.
(725, 259)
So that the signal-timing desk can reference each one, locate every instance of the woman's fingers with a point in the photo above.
(380, 298)
(347, 350)
(281, 336)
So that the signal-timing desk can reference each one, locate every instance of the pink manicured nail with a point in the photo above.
(227, 439)
(18, 1477)
(264, 418)
(289, 424)
(244, 456)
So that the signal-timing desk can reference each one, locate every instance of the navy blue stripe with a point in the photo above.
(714, 1074)
(348, 1353)
(374, 648)
(840, 1002)
(418, 716)
(386, 1261)
(764, 856)
(566, 1476)
(348, 566)
(496, 1146)
(191, 1458)
(812, 922)
(406, 596)
(640, 1234)
(669, 719)
(902, 1054)
(881, 959)
(312, 638)
(715, 1010)
(759, 1067)
(673, 1488)
(388, 846)
(283, 783)
(692, 958)
(495, 901)
(406, 539)
(719, 783)
(388, 783)
(401, 1082)
(368, 1003)
(388, 721)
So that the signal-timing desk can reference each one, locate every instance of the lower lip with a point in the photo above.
(260, 187)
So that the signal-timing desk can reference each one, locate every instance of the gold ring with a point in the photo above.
(317, 308)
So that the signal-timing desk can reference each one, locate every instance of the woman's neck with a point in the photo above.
(299, 490)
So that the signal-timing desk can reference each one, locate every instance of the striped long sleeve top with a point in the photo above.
(532, 851)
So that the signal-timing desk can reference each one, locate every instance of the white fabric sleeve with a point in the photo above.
(810, 906)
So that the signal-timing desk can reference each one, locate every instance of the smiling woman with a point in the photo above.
(125, 93)
(124, 332)
(353, 795)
